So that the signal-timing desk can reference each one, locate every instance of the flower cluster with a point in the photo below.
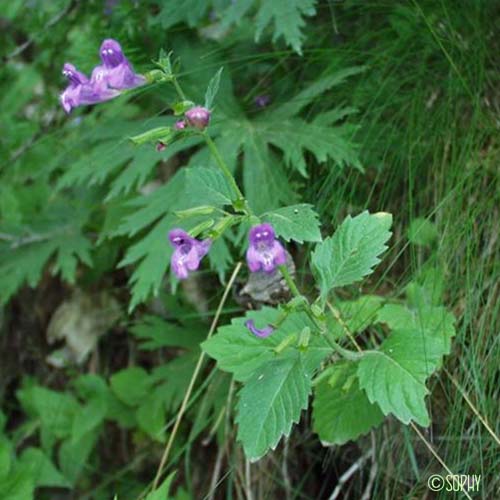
(264, 254)
(106, 81)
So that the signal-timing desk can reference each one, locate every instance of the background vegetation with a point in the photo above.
(96, 352)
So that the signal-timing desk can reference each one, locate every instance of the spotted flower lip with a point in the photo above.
(198, 117)
(80, 91)
(188, 252)
(265, 252)
(259, 332)
(115, 72)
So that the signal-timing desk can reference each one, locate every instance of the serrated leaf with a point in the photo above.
(241, 353)
(288, 17)
(352, 252)
(296, 222)
(270, 402)
(341, 410)
(213, 88)
(394, 375)
(433, 321)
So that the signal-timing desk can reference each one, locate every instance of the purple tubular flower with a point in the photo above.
(115, 72)
(265, 252)
(188, 252)
(198, 117)
(80, 91)
(259, 332)
(180, 125)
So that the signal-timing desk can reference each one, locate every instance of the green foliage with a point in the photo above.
(288, 18)
(164, 490)
(270, 402)
(422, 232)
(297, 222)
(394, 375)
(341, 410)
(352, 252)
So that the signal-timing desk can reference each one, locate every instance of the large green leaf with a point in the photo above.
(394, 375)
(341, 410)
(352, 252)
(241, 353)
(271, 402)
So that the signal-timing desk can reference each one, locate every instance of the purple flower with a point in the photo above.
(262, 101)
(198, 117)
(80, 91)
(264, 252)
(115, 72)
(160, 146)
(180, 125)
(260, 332)
(188, 252)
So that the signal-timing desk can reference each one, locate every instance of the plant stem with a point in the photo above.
(178, 88)
(345, 353)
(289, 281)
(240, 204)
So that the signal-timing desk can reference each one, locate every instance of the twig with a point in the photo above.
(472, 407)
(373, 470)
(196, 372)
(348, 474)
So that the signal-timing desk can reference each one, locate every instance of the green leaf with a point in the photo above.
(17, 486)
(213, 88)
(73, 456)
(296, 222)
(155, 332)
(151, 416)
(131, 385)
(422, 232)
(270, 402)
(430, 321)
(163, 491)
(394, 375)
(56, 410)
(352, 252)
(35, 462)
(241, 353)
(288, 17)
(341, 410)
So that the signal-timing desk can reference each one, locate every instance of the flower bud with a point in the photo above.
(198, 117)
